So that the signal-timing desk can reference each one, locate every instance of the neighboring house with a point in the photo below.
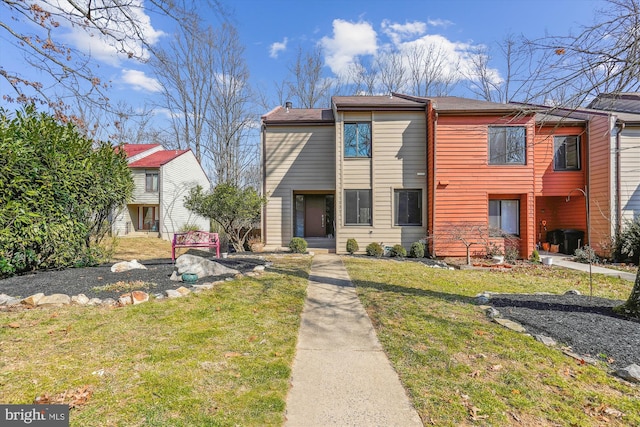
(162, 178)
(397, 169)
(616, 189)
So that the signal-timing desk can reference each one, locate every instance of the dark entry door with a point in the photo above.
(314, 216)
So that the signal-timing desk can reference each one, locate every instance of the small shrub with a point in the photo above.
(298, 245)
(511, 248)
(585, 254)
(375, 249)
(535, 257)
(186, 227)
(398, 251)
(417, 250)
(352, 246)
(629, 242)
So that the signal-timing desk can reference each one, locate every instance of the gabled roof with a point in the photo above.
(628, 102)
(281, 115)
(456, 104)
(157, 159)
(134, 149)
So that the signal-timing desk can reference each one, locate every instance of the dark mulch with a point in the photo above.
(74, 281)
(587, 324)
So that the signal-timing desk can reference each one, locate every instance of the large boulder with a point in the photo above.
(201, 266)
(119, 267)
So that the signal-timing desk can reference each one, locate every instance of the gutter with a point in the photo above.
(263, 165)
(435, 180)
(621, 125)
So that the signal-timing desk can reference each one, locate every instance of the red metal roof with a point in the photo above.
(157, 159)
(133, 149)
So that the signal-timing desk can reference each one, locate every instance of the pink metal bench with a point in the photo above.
(195, 239)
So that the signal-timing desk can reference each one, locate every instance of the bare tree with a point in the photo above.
(184, 68)
(307, 84)
(429, 71)
(230, 119)
(38, 30)
(392, 72)
(206, 92)
(603, 57)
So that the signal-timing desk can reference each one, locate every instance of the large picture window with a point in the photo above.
(504, 215)
(151, 182)
(408, 207)
(357, 207)
(507, 145)
(566, 153)
(357, 139)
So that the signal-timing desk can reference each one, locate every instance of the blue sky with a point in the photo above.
(273, 30)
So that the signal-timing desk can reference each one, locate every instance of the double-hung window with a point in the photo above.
(507, 145)
(408, 207)
(357, 139)
(151, 182)
(357, 207)
(504, 216)
(566, 153)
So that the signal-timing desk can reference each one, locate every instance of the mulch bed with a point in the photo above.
(74, 281)
(587, 324)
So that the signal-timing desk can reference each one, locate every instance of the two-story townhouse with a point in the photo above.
(398, 169)
(162, 178)
(356, 170)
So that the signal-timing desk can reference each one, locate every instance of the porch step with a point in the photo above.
(152, 234)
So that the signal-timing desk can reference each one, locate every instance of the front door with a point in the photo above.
(314, 215)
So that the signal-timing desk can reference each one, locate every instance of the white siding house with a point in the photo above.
(162, 178)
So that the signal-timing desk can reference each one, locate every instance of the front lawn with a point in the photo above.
(461, 369)
(221, 357)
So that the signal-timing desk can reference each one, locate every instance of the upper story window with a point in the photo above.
(566, 153)
(408, 207)
(507, 145)
(357, 139)
(151, 182)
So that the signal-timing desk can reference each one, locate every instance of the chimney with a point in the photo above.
(288, 105)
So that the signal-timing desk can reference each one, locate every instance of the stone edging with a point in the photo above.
(129, 298)
(630, 373)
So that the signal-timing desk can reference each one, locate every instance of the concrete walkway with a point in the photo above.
(562, 260)
(341, 376)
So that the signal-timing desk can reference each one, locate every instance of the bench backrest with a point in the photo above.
(195, 237)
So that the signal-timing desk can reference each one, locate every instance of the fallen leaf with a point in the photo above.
(232, 354)
(252, 338)
(479, 332)
(496, 368)
(475, 374)
(515, 391)
(14, 325)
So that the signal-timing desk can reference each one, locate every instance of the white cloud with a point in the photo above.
(349, 41)
(277, 47)
(398, 32)
(123, 26)
(139, 81)
(439, 23)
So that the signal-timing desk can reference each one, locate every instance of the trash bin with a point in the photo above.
(555, 237)
(573, 239)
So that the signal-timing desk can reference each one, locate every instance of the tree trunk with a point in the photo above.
(632, 307)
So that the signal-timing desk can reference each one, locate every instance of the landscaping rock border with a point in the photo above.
(565, 316)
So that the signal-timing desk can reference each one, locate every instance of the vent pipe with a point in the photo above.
(288, 105)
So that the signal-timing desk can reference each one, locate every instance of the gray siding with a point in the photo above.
(398, 162)
(297, 159)
(630, 173)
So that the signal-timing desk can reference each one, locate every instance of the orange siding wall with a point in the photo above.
(558, 213)
(600, 179)
(557, 183)
(464, 180)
